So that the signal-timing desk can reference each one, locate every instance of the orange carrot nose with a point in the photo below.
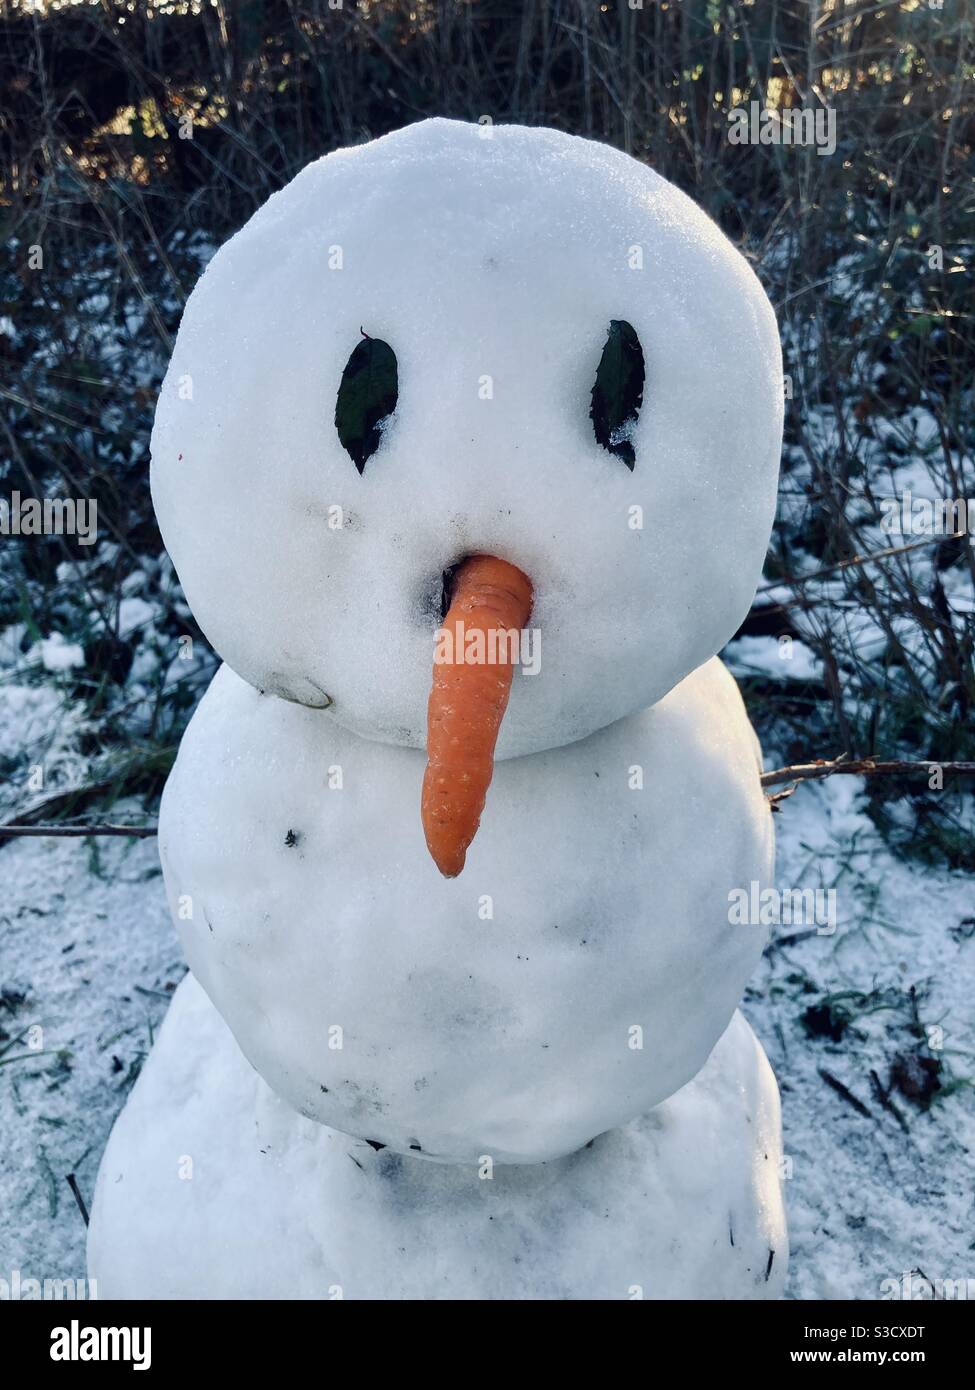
(477, 647)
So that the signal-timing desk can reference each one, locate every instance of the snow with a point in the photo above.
(781, 658)
(870, 1197)
(456, 251)
(880, 1171)
(58, 654)
(134, 613)
(865, 1201)
(212, 1187)
(491, 1013)
(40, 732)
(89, 962)
(27, 713)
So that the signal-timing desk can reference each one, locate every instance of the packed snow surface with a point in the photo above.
(492, 262)
(212, 1187)
(573, 976)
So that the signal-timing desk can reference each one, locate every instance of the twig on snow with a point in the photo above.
(141, 832)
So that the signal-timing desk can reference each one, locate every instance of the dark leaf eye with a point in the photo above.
(367, 396)
(618, 392)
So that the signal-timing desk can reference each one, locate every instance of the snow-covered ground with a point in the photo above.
(89, 960)
(871, 1195)
(876, 1185)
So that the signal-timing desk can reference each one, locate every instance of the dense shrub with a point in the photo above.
(867, 255)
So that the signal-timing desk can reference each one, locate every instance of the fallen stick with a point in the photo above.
(845, 1092)
(72, 1182)
(142, 832)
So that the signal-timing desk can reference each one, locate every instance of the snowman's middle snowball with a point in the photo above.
(579, 971)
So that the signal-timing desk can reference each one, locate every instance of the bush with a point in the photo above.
(866, 255)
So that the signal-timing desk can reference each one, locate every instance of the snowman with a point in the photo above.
(466, 459)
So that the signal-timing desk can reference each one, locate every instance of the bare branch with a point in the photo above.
(859, 767)
(794, 580)
(799, 772)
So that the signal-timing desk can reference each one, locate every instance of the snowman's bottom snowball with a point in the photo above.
(213, 1187)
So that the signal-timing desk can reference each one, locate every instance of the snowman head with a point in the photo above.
(540, 351)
